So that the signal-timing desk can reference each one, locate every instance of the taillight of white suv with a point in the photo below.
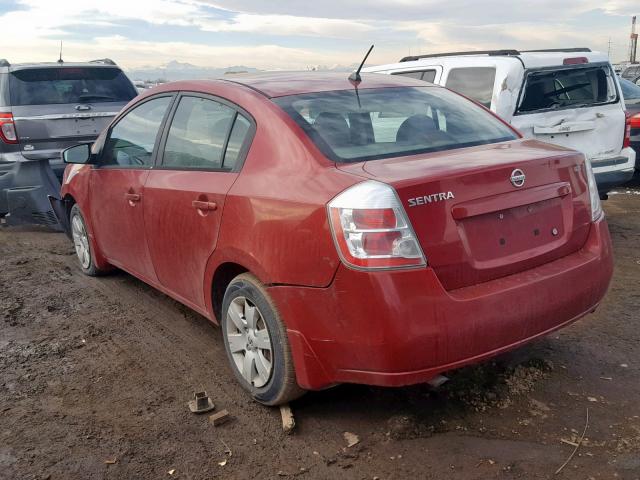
(371, 229)
(7, 128)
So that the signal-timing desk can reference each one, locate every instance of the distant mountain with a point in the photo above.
(175, 70)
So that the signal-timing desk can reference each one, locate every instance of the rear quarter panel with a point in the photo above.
(274, 221)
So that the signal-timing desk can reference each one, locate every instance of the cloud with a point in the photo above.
(287, 25)
(463, 11)
(293, 34)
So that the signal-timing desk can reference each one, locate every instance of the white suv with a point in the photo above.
(569, 97)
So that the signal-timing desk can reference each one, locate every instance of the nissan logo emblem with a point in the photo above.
(517, 178)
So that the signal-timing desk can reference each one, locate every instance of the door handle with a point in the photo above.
(133, 197)
(202, 205)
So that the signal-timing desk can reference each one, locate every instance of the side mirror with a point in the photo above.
(77, 154)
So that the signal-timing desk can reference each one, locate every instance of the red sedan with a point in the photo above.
(379, 232)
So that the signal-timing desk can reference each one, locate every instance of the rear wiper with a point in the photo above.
(85, 97)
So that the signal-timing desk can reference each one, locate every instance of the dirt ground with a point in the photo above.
(95, 375)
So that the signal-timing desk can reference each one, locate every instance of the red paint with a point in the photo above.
(477, 296)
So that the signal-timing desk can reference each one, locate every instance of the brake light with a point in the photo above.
(371, 229)
(627, 130)
(7, 128)
(634, 122)
(575, 60)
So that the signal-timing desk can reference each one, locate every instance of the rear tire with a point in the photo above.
(82, 244)
(256, 343)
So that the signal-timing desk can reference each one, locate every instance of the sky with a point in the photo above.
(289, 34)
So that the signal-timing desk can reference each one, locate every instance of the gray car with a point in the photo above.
(45, 108)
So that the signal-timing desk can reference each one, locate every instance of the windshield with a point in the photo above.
(630, 90)
(352, 126)
(45, 86)
(570, 87)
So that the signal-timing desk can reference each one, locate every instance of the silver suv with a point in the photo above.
(45, 108)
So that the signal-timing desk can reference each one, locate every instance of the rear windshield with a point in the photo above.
(352, 126)
(568, 88)
(630, 90)
(44, 86)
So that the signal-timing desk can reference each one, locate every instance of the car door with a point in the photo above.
(201, 152)
(117, 186)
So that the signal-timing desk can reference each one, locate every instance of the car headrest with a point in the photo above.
(333, 128)
(414, 128)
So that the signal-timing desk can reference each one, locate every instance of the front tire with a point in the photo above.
(82, 243)
(256, 343)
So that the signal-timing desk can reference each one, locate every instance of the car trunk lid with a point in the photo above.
(42, 129)
(473, 223)
(55, 107)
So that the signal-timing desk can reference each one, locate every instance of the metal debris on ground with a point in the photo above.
(586, 425)
(351, 438)
(288, 422)
(437, 381)
(227, 450)
(219, 418)
(201, 403)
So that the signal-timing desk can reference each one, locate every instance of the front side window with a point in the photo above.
(58, 85)
(473, 82)
(551, 89)
(132, 139)
(352, 126)
(198, 134)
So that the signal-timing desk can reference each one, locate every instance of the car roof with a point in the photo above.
(279, 84)
(23, 66)
(530, 59)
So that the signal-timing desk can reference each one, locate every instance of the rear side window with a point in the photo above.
(237, 139)
(45, 86)
(4, 90)
(473, 82)
(425, 75)
(577, 87)
(368, 124)
(198, 134)
(132, 139)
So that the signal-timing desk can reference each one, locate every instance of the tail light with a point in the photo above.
(7, 128)
(371, 229)
(627, 130)
(594, 195)
(634, 122)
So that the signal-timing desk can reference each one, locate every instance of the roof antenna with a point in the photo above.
(355, 76)
(60, 58)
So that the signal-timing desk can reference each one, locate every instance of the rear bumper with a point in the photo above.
(612, 173)
(25, 186)
(402, 327)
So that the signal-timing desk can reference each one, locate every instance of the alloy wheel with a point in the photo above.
(249, 342)
(81, 241)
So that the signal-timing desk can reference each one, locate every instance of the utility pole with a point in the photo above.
(634, 41)
(609, 49)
